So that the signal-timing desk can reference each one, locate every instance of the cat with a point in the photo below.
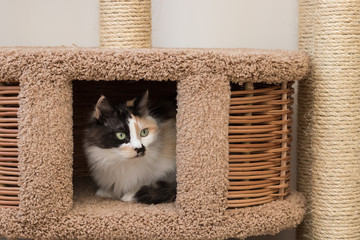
(130, 148)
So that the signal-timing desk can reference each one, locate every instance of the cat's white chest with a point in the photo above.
(121, 176)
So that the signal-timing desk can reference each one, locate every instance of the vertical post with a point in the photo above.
(329, 119)
(125, 23)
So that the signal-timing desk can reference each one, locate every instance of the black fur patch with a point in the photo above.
(101, 131)
(163, 192)
(163, 110)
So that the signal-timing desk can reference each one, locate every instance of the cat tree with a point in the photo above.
(233, 141)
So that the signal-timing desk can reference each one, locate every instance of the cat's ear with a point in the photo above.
(141, 103)
(103, 108)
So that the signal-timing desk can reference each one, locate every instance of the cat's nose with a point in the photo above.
(140, 151)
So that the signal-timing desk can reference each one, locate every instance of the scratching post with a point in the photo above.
(329, 120)
(125, 23)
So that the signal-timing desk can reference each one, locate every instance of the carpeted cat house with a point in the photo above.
(233, 142)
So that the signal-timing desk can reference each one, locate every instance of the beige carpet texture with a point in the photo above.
(53, 205)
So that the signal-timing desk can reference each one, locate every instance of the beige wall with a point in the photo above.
(225, 23)
(176, 23)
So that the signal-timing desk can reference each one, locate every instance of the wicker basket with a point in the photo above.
(259, 141)
(9, 172)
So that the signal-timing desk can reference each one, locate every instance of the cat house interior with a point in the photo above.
(85, 97)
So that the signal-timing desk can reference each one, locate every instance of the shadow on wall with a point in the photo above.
(288, 234)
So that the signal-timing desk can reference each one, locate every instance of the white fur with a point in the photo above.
(128, 197)
(120, 174)
(135, 140)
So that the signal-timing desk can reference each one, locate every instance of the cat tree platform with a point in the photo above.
(233, 142)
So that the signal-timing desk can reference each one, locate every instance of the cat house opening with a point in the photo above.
(85, 97)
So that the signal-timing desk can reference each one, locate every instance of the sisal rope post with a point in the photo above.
(329, 119)
(125, 23)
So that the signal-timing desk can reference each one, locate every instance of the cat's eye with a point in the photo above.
(144, 132)
(121, 135)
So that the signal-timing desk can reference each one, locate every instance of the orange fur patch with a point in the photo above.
(142, 123)
(128, 151)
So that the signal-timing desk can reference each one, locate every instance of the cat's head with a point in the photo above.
(128, 128)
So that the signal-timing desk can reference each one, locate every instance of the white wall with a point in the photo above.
(49, 23)
(270, 24)
(225, 23)
(176, 23)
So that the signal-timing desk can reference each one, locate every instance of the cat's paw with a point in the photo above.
(128, 197)
(103, 193)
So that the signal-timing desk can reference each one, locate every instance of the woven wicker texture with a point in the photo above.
(259, 144)
(125, 23)
(9, 172)
(329, 120)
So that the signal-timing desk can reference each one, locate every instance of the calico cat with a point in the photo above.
(130, 148)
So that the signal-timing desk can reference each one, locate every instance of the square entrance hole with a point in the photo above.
(85, 96)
